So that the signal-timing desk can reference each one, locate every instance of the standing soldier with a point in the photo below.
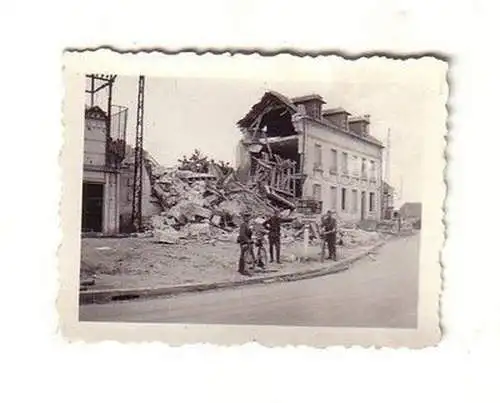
(245, 241)
(273, 225)
(330, 233)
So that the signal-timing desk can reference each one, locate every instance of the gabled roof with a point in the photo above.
(94, 112)
(267, 99)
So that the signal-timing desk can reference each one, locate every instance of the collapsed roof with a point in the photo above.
(276, 111)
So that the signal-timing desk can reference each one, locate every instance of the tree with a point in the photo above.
(200, 163)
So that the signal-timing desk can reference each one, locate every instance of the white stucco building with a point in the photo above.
(338, 162)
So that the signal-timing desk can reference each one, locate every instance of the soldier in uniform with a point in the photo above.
(245, 241)
(273, 225)
(329, 225)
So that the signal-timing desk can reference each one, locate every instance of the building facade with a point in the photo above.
(108, 176)
(338, 162)
(411, 212)
(101, 176)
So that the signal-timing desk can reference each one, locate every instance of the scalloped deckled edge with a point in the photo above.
(176, 334)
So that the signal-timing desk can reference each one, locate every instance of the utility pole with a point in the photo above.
(137, 201)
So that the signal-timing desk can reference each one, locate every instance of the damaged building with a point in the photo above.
(104, 149)
(295, 149)
(108, 175)
(108, 164)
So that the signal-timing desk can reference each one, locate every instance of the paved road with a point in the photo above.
(375, 292)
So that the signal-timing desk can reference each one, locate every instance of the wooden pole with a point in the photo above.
(306, 240)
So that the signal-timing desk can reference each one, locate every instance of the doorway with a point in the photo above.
(363, 205)
(92, 207)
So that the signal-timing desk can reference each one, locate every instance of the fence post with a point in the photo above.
(306, 240)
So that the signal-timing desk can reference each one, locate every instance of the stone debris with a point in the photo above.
(167, 235)
(194, 202)
(210, 204)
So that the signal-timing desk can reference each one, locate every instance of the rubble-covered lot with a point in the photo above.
(193, 240)
(115, 263)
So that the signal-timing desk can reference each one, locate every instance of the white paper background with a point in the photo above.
(39, 365)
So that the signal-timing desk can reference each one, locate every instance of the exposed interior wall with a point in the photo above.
(243, 161)
(278, 123)
(275, 134)
(149, 205)
(290, 149)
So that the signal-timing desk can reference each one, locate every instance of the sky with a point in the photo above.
(183, 113)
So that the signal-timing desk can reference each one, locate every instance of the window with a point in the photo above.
(333, 167)
(345, 167)
(317, 156)
(363, 168)
(344, 201)
(372, 170)
(333, 197)
(317, 192)
(354, 201)
(372, 201)
(355, 165)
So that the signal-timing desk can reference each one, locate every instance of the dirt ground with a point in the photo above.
(142, 262)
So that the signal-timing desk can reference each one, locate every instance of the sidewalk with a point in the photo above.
(138, 267)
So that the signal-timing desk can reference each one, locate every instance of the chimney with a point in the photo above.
(312, 104)
(360, 125)
(338, 116)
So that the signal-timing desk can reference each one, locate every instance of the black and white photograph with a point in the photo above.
(249, 193)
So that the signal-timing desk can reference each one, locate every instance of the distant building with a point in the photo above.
(387, 201)
(411, 212)
(332, 157)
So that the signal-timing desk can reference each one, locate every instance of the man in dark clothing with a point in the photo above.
(244, 239)
(273, 225)
(330, 233)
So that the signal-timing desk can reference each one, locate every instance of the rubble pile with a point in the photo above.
(201, 205)
(207, 204)
(359, 237)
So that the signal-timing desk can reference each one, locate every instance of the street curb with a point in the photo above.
(104, 296)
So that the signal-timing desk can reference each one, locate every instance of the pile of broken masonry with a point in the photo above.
(202, 205)
(209, 207)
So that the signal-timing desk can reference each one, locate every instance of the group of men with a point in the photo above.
(273, 227)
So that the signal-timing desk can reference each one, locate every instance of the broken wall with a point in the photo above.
(243, 162)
